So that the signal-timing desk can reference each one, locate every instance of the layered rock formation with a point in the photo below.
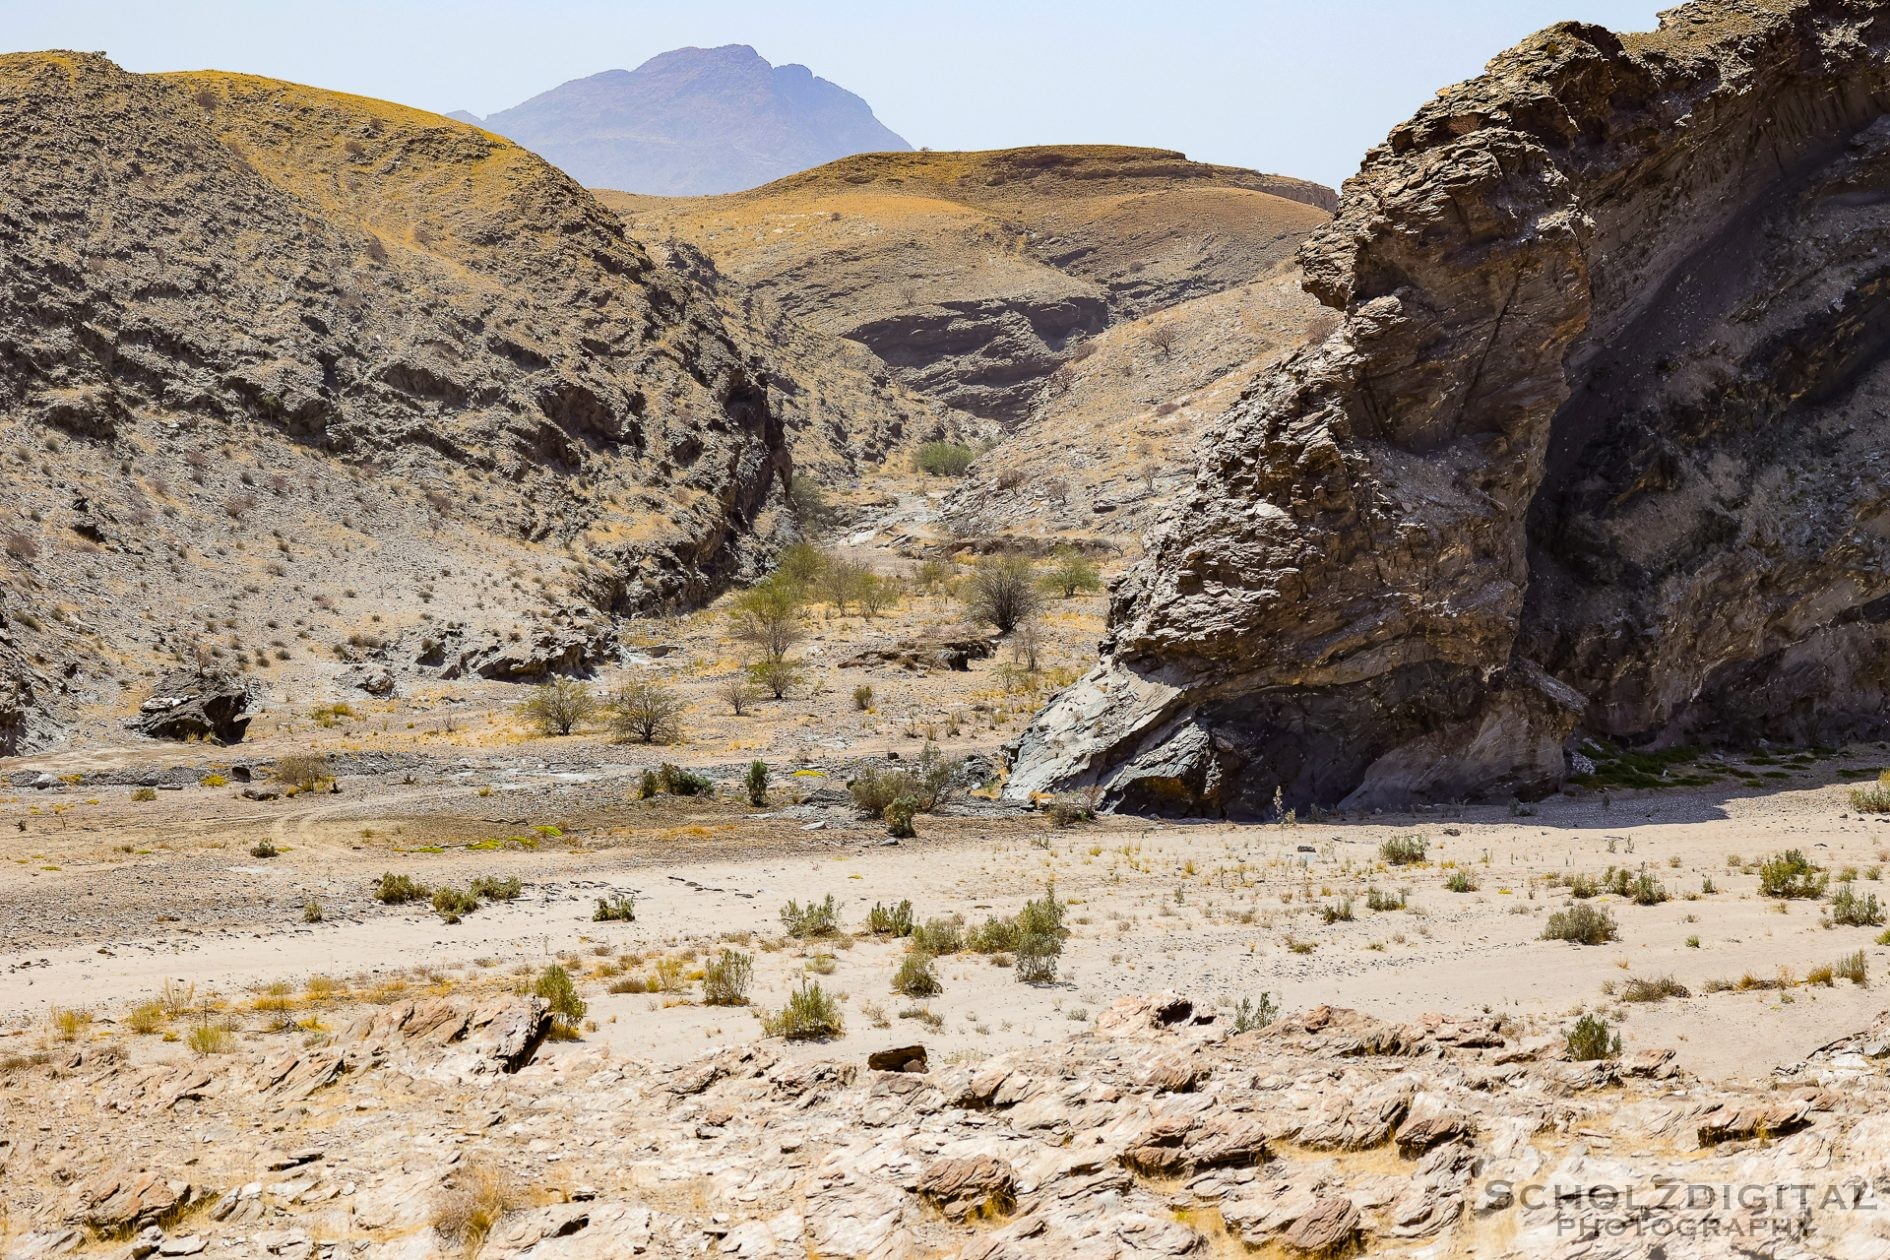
(1158, 1132)
(1596, 448)
(975, 276)
(266, 349)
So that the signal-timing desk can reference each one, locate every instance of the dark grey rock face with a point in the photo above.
(1597, 449)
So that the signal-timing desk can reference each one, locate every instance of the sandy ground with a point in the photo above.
(101, 903)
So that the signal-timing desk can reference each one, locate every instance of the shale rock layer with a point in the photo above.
(1596, 449)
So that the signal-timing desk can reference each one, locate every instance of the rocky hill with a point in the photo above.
(694, 121)
(975, 276)
(301, 385)
(1595, 451)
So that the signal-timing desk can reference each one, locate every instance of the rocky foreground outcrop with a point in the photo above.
(1598, 448)
(1160, 1132)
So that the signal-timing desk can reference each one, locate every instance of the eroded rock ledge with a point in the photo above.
(1597, 448)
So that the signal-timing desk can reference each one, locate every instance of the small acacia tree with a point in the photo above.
(777, 678)
(1004, 591)
(646, 711)
(557, 705)
(769, 617)
(1070, 572)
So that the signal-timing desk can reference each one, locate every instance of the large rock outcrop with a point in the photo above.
(1596, 449)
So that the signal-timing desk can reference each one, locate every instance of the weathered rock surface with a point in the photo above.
(1053, 1151)
(1597, 447)
(196, 704)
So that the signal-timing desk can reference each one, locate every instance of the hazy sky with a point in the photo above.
(1300, 87)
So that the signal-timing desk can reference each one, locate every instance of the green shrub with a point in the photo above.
(1848, 909)
(1791, 876)
(1460, 881)
(725, 979)
(863, 697)
(452, 903)
(645, 711)
(940, 937)
(398, 890)
(756, 783)
(929, 784)
(1591, 1039)
(894, 921)
(816, 918)
(1853, 967)
(1582, 923)
(144, 794)
(1582, 887)
(915, 977)
(994, 936)
(944, 459)
(649, 785)
(492, 888)
(899, 816)
(1405, 850)
(555, 707)
(1337, 912)
(1250, 1014)
(620, 908)
(810, 1015)
(554, 984)
(264, 848)
(1040, 937)
(1873, 798)
(680, 782)
(1376, 900)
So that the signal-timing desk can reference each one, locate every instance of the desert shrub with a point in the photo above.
(843, 583)
(452, 903)
(943, 459)
(940, 937)
(1249, 1014)
(207, 1039)
(1376, 900)
(304, 772)
(1460, 881)
(816, 918)
(493, 888)
(648, 785)
(799, 565)
(930, 783)
(1405, 850)
(863, 697)
(878, 592)
(620, 908)
(146, 1018)
(1040, 937)
(213, 781)
(1848, 909)
(1069, 810)
(726, 977)
(776, 678)
(1645, 890)
(993, 936)
(1873, 798)
(1003, 591)
(556, 706)
(915, 976)
(1591, 1039)
(397, 890)
(1658, 989)
(1853, 967)
(144, 794)
(899, 816)
(264, 848)
(1790, 876)
(809, 1015)
(554, 984)
(69, 1023)
(645, 711)
(680, 782)
(895, 921)
(1337, 912)
(1070, 571)
(1582, 887)
(1582, 923)
(739, 693)
(756, 783)
(474, 1200)
(20, 546)
(770, 616)
(312, 911)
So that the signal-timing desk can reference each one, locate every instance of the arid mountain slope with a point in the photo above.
(280, 366)
(694, 121)
(976, 275)
(1597, 448)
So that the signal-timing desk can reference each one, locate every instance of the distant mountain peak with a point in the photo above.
(693, 121)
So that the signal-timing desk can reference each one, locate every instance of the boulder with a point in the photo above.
(195, 704)
(974, 1185)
